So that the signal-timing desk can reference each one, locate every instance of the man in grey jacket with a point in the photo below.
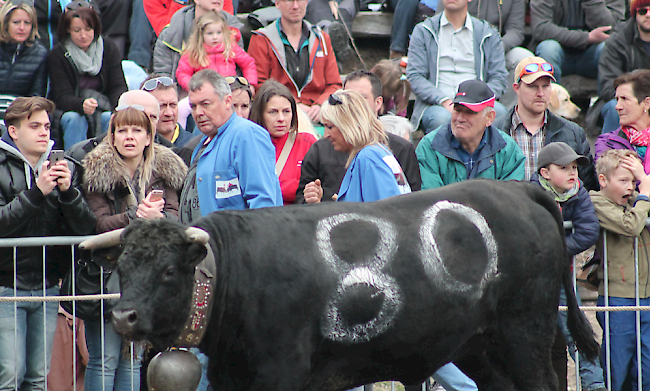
(167, 51)
(570, 34)
(627, 49)
(446, 50)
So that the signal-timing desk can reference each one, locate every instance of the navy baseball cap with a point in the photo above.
(475, 95)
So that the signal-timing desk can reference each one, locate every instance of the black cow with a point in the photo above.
(331, 296)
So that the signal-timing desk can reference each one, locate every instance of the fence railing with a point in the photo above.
(16, 243)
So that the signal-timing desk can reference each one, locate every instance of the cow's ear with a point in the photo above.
(107, 257)
(195, 254)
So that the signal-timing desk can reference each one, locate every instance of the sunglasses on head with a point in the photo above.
(152, 84)
(642, 11)
(334, 100)
(75, 5)
(19, 2)
(238, 79)
(534, 68)
(124, 107)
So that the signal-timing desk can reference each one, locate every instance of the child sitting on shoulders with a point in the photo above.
(211, 45)
(557, 173)
(622, 213)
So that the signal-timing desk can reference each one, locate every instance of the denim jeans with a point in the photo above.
(570, 62)
(204, 385)
(610, 117)
(75, 127)
(622, 334)
(26, 337)
(116, 370)
(591, 374)
(451, 379)
(140, 35)
(435, 116)
(403, 25)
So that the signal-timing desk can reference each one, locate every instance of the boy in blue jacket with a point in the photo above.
(557, 173)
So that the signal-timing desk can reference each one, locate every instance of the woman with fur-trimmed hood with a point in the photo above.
(120, 176)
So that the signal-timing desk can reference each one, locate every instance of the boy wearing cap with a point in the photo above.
(469, 147)
(533, 126)
(622, 213)
(557, 173)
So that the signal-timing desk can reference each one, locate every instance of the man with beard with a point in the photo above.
(533, 126)
(627, 49)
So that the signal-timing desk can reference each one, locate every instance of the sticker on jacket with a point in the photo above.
(228, 188)
(320, 54)
(403, 184)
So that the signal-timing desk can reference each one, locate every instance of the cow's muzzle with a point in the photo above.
(124, 321)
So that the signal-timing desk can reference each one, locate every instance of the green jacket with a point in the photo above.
(501, 159)
(620, 225)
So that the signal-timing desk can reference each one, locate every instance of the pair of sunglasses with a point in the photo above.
(335, 100)
(152, 84)
(534, 68)
(19, 2)
(124, 107)
(642, 11)
(238, 79)
(75, 5)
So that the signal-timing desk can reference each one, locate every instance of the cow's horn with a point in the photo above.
(197, 235)
(107, 239)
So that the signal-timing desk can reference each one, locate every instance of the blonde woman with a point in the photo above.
(22, 58)
(126, 177)
(372, 173)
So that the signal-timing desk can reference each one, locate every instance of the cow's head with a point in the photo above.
(155, 260)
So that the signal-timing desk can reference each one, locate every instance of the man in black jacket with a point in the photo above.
(326, 165)
(627, 49)
(532, 125)
(36, 199)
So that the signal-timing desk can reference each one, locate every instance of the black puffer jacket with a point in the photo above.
(24, 212)
(560, 129)
(64, 78)
(23, 69)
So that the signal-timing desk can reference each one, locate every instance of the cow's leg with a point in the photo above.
(526, 339)
(482, 363)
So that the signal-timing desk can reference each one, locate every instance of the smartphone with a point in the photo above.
(56, 156)
(156, 195)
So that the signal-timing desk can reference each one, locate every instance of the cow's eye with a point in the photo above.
(170, 272)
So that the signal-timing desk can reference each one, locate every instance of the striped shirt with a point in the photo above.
(529, 143)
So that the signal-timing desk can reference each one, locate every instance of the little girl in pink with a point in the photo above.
(211, 46)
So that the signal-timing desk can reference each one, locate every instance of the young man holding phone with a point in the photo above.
(36, 199)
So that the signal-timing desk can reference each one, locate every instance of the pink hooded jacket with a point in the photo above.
(215, 56)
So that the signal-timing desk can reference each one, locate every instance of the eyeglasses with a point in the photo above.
(535, 67)
(75, 5)
(19, 2)
(152, 84)
(124, 107)
(239, 79)
(642, 11)
(334, 100)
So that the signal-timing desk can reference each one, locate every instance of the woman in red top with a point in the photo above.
(274, 108)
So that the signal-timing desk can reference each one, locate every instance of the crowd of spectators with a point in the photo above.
(217, 127)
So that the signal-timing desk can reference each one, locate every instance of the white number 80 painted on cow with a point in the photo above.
(370, 272)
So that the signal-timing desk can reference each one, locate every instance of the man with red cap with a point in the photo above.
(469, 147)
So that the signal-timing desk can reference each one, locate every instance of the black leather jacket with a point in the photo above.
(26, 212)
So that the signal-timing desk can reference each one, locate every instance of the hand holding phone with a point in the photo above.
(156, 195)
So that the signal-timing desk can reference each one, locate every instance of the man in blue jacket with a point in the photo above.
(233, 167)
(446, 50)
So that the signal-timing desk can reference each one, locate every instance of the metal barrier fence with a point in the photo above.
(73, 240)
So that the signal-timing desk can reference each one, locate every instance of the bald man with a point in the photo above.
(135, 97)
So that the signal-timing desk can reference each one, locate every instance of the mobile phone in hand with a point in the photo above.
(56, 156)
(156, 195)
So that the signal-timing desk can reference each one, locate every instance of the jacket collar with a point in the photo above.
(553, 123)
(442, 143)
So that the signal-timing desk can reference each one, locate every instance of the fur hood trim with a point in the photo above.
(102, 172)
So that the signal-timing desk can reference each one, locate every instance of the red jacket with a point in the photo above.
(159, 12)
(290, 175)
(215, 56)
(267, 49)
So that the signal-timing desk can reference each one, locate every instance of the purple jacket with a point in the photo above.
(617, 140)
